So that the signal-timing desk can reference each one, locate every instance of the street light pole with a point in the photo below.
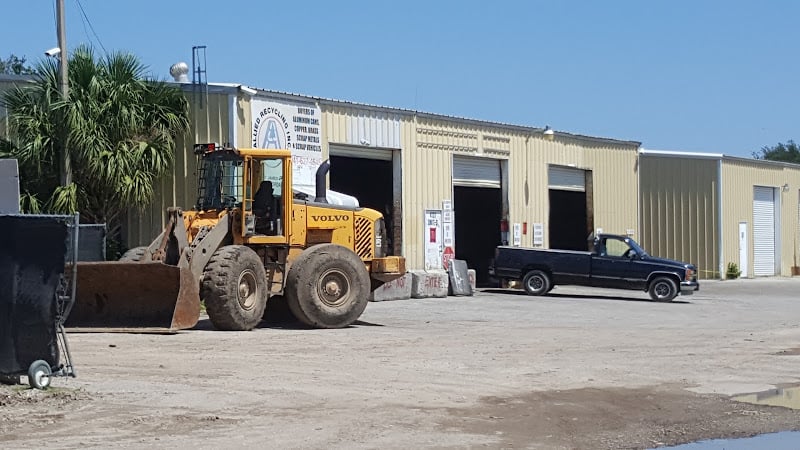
(63, 87)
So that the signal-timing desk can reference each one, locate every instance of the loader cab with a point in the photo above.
(267, 180)
(218, 186)
(252, 184)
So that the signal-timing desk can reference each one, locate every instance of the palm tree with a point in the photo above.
(120, 129)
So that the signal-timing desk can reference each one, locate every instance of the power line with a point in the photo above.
(87, 21)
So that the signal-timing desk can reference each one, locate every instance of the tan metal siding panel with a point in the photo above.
(426, 182)
(679, 210)
(616, 191)
(614, 181)
(179, 187)
(738, 179)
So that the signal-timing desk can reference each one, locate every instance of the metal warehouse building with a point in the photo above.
(455, 187)
(713, 210)
(448, 186)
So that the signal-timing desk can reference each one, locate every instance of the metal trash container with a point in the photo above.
(38, 256)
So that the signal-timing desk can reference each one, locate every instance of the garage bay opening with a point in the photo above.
(370, 181)
(571, 214)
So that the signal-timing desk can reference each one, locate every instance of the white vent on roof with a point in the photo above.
(180, 72)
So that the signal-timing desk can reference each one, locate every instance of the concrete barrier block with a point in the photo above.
(471, 274)
(399, 289)
(425, 284)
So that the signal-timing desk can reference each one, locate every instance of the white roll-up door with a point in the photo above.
(763, 231)
(383, 154)
(566, 178)
(477, 172)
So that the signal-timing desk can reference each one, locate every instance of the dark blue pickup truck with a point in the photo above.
(615, 262)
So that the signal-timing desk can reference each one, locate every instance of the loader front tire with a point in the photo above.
(234, 288)
(327, 286)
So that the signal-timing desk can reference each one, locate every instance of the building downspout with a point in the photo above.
(639, 200)
(232, 120)
(720, 240)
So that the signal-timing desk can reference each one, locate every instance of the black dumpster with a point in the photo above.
(37, 264)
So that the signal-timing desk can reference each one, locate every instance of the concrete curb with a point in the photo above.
(427, 284)
(399, 289)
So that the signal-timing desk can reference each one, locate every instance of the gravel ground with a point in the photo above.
(580, 368)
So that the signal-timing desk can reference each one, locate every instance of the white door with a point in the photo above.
(763, 231)
(743, 249)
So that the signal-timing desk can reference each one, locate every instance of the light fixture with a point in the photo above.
(55, 51)
(786, 187)
(548, 133)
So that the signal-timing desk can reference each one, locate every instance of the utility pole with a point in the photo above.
(63, 87)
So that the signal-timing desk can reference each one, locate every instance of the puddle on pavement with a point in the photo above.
(790, 440)
(785, 397)
(787, 440)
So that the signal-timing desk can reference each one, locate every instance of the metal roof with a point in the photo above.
(230, 87)
(718, 156)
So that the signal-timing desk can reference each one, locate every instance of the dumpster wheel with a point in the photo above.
(39, 374)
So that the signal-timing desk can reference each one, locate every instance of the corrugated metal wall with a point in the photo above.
(613, 169)
(355, 126)
(428, 145)
(210, 123)
(738, 178)
(679, 210)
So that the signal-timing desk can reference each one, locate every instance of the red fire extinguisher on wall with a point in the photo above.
(504, 232)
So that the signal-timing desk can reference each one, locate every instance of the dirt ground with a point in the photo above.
(577, 369)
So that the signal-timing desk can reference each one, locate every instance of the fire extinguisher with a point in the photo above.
(504, 231)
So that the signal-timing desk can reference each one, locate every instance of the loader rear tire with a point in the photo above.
(134, 255)
(327, 286)
(234, 288)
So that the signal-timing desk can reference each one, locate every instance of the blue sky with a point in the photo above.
(708, 76)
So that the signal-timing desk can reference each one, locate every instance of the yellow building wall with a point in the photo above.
(428, 161)
(679, 210)
(739, 176)
(209, 123)
(614, 173)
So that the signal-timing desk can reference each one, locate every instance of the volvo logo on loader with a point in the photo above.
(331, 218)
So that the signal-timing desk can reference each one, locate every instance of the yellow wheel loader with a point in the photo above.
(249, 237)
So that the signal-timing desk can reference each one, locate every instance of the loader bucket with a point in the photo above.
(118, 296)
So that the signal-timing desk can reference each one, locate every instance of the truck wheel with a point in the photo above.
(663, 289)
(234, 288)
(135, 254)
(536, 282)
(327, 286)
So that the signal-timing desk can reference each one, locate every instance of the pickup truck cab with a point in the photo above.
(615, 262)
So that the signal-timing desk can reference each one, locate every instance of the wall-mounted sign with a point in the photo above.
(447, 234)
(292, 126)
(433, 239)
(517, 235)
(538, 235)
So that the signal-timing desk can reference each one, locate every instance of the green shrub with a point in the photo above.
(733, 271)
